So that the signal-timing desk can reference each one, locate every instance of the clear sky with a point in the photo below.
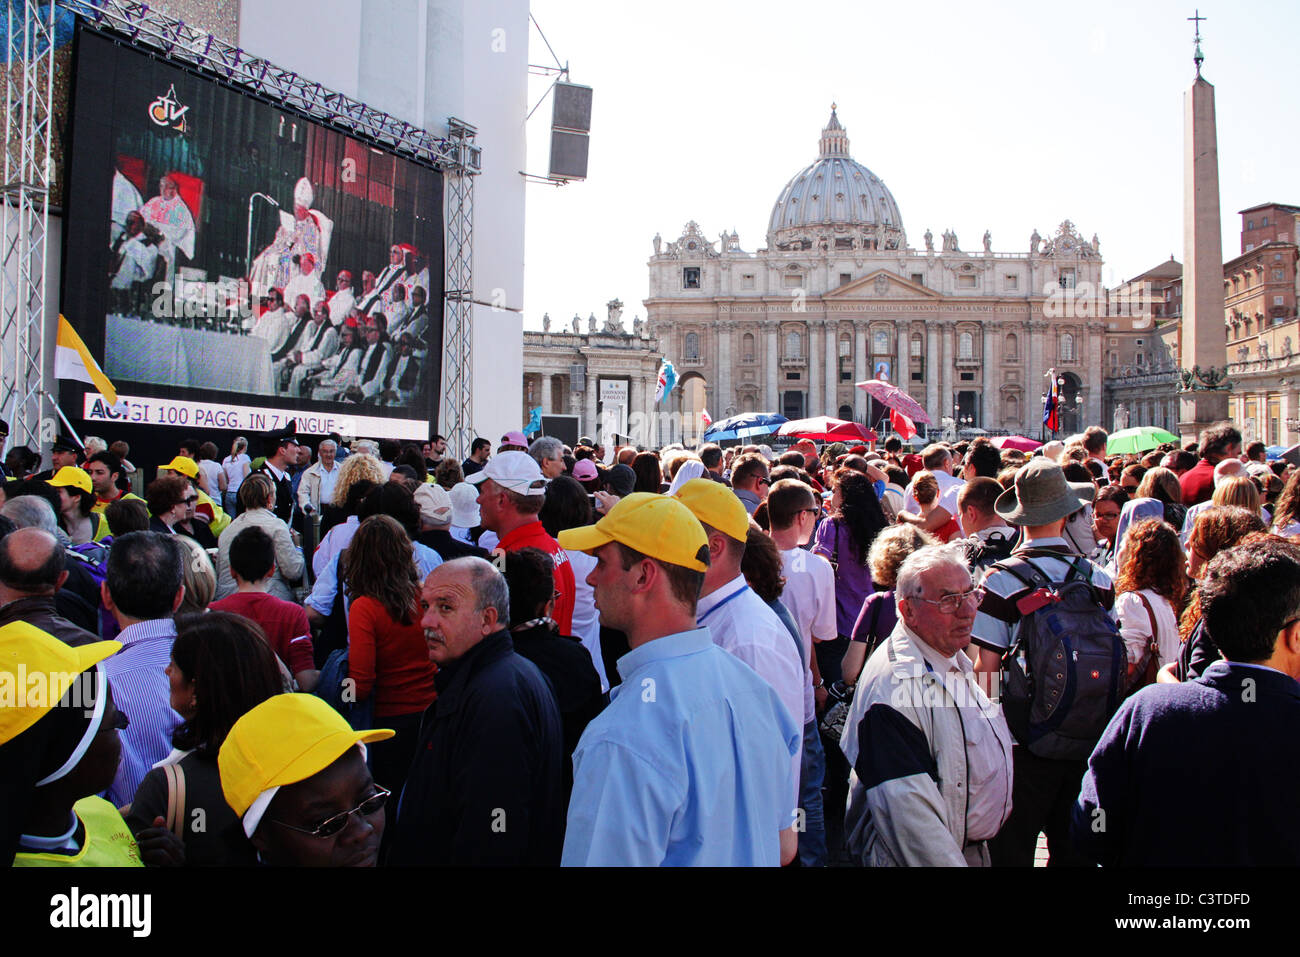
(1002, 116)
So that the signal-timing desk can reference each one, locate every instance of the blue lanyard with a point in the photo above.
(740, 591)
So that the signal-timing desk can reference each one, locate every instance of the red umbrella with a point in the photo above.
(895, 398)
(823, 428)
(1015, 442)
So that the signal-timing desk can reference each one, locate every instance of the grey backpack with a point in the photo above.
(1065, 676)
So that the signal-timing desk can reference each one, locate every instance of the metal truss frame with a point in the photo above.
(28, 176)
(28, 173)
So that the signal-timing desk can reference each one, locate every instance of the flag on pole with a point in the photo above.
(902, 424)
(706, 418)
(1052, 403)
(667, 379)
(72, 360)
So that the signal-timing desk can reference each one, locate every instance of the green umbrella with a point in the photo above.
(1141, 439)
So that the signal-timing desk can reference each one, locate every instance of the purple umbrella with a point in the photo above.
(895, 398)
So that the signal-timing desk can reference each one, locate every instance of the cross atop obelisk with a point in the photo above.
(1197, 56)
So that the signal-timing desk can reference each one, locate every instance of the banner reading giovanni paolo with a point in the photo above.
(220, 250)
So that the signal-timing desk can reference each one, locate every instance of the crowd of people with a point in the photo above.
(375, 654)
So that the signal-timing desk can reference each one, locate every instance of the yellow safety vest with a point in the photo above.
(108, 842)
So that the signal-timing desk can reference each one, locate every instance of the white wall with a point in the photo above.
(423, 61)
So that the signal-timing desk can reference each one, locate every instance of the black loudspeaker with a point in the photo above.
(568, 155)
(572, 108)
(562, 427)
(570, 124)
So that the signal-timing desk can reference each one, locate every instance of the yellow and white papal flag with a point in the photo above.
(72, 360)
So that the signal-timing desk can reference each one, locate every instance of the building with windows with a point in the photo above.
(837, 295)
(1261, 335)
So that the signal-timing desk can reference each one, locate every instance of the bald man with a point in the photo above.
(31, 572)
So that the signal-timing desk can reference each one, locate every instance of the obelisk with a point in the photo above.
(1202, 323)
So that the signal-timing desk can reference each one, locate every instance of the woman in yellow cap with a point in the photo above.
(76, 501)
(295, 773)
(59, 748)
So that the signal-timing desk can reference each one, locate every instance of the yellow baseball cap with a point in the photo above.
(654, 525)
(285, 739)
(39, 669)
(717, 506)
(187, 467)
(71, 476)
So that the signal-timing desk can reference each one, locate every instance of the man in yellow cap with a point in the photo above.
(295, 773)
(739, 621)
(691, 762)
(206, 510)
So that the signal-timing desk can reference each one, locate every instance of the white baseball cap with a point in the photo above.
(516, 471)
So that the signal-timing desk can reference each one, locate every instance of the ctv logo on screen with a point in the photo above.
(167, 110)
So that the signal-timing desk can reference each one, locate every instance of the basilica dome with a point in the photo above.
(835, 203)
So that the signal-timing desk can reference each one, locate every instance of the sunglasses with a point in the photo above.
(333, 825)
(191, 500)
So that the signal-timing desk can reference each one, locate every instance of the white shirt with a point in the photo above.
(1135, 625)
(235, 470)
(300, 285)
(586, 619)
(988, 743)
(327, 479)
(212, 471)
(949, 488)
(742, 624)
(340, 304)
(810, 597)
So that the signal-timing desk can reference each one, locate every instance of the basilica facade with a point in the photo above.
(838, 295)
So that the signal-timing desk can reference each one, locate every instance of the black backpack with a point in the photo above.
(1066, 673)
(981, 553)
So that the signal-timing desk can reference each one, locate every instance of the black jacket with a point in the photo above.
(486, 783)
(440, 540)
(567, 666)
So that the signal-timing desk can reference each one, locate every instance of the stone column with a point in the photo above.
(771, 399)
(1037, 368)
(814, 393)
(832, 368)
(546, 384)
(860, 371)
(988, 399)
(1092, 376)
(946, 397)
(933, 363)
(723, 393)
(902, 376)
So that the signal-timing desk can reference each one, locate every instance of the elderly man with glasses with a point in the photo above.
(931, 756)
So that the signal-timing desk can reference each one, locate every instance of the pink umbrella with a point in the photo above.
(1015, 442)
(823, 428)
(895, 398)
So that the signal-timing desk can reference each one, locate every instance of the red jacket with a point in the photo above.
(533, 535)
(1197, 483)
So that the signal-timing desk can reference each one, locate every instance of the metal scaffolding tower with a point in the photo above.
(24, 325)
(28, 172)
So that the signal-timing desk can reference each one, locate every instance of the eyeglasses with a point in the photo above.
(331, 826)
(764, 481)
(191, 500)
(950, 603)
(815, 511)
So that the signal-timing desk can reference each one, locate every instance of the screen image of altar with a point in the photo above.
(218, 245)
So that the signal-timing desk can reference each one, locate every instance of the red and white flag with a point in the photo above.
(902, 424)
(705, 417)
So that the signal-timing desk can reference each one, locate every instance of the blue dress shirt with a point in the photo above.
(142, 691)
(689, 765)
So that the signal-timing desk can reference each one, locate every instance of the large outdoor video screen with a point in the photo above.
(224, 253)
